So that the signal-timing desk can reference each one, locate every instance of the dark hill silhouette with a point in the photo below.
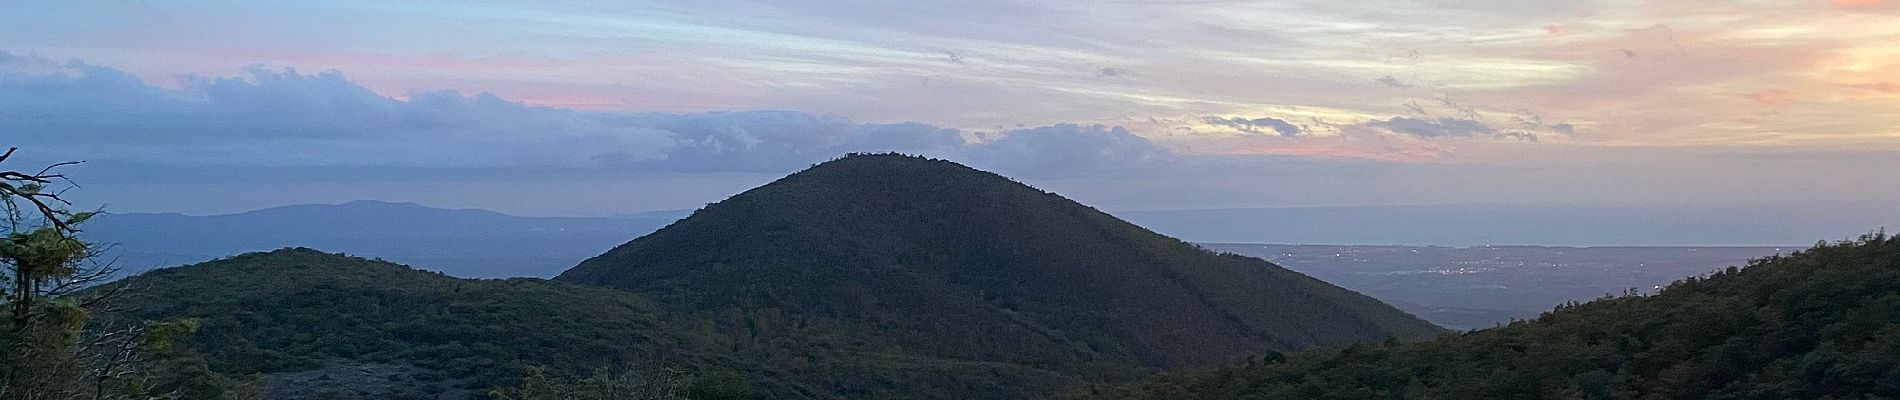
(1823, 323)
(316, 325)
(300, 311)
(904, 255)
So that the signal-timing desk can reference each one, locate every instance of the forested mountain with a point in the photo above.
(314, 325)
(1819, 324)
(898, 277)
(902, 255)
(300, 312)
(873, 276)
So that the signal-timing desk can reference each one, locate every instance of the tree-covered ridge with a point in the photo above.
(877, 276)
(305, 322)
(1823, 323)
(897, 254)
(300, 309)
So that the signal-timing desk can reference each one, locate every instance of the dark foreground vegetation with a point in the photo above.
(53, 343)
(425, 334)
(1823, 323)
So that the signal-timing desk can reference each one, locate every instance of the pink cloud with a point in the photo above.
(1772, 97)
(1882, 87)
(1360, 147)
(1882, 6)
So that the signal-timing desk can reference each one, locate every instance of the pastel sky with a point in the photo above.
(1124, 104)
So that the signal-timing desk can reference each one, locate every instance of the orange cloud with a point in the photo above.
(1556, 30)
(1883, 87)
(1859, 3)
(1405, 151)
(1772, 97)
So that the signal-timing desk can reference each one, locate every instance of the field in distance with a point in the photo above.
(1482, 286)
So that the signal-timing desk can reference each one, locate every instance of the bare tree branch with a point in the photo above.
(18, 184)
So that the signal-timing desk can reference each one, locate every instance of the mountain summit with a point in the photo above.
(876, 276)
(904, 255)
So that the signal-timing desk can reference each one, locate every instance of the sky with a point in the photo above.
(604, 108)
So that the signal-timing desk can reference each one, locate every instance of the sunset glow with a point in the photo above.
(1485, 83)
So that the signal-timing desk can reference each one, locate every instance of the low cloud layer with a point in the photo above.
(286, 118)
(1441, 127)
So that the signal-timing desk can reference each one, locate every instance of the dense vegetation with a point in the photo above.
(309, 324)
(601, 385)
(53, 346)
(1819, 324)
(424, 334)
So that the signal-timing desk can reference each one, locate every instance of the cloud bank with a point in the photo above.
(286, 118)
(1257, 125)
(1442, 127)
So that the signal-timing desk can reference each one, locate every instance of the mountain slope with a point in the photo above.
(295, 310)
(319, 325)
(892, 254)
(1822, 323)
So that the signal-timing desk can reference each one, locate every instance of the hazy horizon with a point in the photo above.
(1457, 225)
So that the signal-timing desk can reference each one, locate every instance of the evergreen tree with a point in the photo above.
(53, 349)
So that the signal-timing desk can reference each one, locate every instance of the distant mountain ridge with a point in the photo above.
(474, 243)
(463, 242)
(552, 244)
